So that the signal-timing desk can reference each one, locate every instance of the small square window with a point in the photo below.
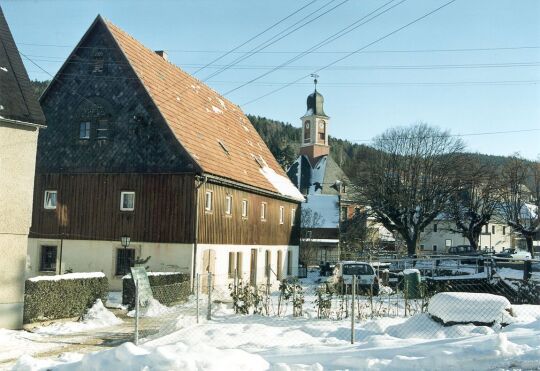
(84, 130)
(244, 209)
(48, 259)
(492, 229)
(103, 127)
(125, 259)
(434, 227)
(208, 201)
(434, 247)
(127, 201)
(281, 215)
(50, 200)
(228, 205)
(263, 210)
(293, 216)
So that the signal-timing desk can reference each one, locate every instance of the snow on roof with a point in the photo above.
(68, 276)
(327, 207)
(281, 183)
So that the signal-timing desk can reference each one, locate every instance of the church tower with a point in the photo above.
(314, 139)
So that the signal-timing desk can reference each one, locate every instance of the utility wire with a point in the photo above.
(354, 52)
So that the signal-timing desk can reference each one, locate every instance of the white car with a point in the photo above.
(514, 254)
(366, 278)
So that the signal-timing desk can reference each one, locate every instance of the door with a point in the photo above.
(253, 268)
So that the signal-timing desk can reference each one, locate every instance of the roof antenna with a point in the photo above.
(315, 77)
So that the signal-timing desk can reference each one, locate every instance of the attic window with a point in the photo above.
(103, 127)
(224, 148)
(260, 161)
(98, 62)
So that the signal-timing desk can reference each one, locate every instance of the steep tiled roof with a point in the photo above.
(17, 101)
(213, 130)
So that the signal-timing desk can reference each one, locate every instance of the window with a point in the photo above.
(232, 264)
(289, 263)
(344, 213)
(208, 201)
(84, 130)
(99, 62)
(244, 209)
(448, 243)
(307, 133)
(293, 216)
(127, 201)
(267, 262)
(48, 259)
(422, 247)
(124, 260)
(486, 229)
(504, 230)
(263, 210)
(281, 215)
(434, 227)
(434, 247)
(492, 229)
(49, 202)
(279, 272)
(103, 127)
(239, 260)
(228, 204)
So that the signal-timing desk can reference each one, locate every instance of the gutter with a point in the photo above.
(23, 123)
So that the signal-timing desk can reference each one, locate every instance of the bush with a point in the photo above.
(166, 288)
(62, 296)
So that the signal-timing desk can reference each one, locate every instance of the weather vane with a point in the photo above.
(315, 77)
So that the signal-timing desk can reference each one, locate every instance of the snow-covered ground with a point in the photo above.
(253, 342)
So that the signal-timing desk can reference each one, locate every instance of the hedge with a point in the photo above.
(166, 288)
(54, 297)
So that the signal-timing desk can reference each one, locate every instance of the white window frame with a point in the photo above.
(281, 215)
(87, 129)
(102, 128)
(208, 201)
(122, 195)
(264, 211)
(245, 205)
(293, 216)
(46, 206)
(228, 205)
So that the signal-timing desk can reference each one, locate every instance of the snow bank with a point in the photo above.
(468, 307)
(96, 317)
(411, 271)
(68, 276)
(281, 183)
(153, 309)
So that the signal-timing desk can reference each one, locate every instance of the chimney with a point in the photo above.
(162, 54)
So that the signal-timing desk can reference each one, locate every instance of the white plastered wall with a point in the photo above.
(17, 167)
(100, 256)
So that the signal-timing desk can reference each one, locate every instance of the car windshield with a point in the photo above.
(357, 269)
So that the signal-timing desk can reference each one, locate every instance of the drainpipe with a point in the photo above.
(201, 181)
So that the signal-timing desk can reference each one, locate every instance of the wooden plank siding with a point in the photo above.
(216, 227)
(88, 207)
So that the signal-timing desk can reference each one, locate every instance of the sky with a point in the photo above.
(470, 67)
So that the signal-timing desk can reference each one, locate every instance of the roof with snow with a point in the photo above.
(217, 135)
(326, 209)
(17, 100)
(325, 177)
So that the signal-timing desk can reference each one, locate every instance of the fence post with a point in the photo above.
(405, 293)
(198, 288)
(136, 312)
(294, 300)
(353, 294)
(209, 313)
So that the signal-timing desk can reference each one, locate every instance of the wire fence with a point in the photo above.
(419, 298)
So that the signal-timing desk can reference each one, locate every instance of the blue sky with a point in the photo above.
(397, 81)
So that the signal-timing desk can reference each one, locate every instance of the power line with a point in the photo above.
(356, 51)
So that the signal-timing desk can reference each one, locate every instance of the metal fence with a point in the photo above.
(429, 295)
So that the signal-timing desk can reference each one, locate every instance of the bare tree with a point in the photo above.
(356, 235)
(308, 248)
(476, 201)
(409, 180)
(520, 204)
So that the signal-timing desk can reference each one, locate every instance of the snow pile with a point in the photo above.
(411, 271)
(96, 317)
(153, 309)
(281, 183)
(468, 307)
(68, 276)
(170, 357)
(114, 300)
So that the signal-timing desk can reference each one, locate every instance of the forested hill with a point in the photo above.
(283, 139)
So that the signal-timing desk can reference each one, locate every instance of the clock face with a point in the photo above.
(307, 124)
(321, 125)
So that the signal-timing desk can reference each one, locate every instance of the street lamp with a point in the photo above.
(125, 240)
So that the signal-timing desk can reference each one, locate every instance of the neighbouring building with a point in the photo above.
(324, 185)
(20, 119)
(137, 147)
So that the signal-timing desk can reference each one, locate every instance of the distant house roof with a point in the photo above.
(18, 103)
(214, 131)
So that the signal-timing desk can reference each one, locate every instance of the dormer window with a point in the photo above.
(84, 130)
(98, 62)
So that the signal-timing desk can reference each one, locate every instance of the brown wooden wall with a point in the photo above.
(88, 207)
(216, 227)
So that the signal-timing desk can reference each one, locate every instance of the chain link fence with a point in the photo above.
(419, 298)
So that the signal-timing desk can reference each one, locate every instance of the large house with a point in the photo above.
(20, 119)
(138, 148)
(323, 183)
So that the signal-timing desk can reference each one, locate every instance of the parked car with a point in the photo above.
(514, 254)
(463, 250)
(343, 274)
